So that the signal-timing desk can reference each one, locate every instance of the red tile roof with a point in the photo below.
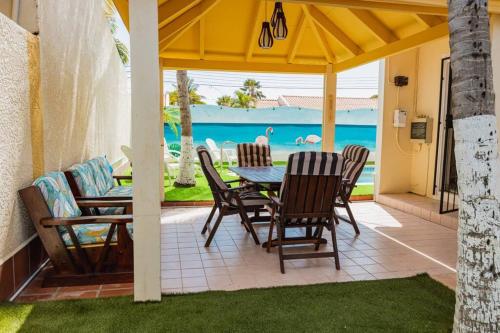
(316, 102)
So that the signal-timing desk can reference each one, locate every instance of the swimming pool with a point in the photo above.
(283, 139)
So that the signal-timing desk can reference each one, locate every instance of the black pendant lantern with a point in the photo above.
(278, 8)
(266, 40)
(266, 37)
(280, 30)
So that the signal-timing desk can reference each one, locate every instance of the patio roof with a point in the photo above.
(223, 34)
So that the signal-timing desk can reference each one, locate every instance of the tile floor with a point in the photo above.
(392, 244)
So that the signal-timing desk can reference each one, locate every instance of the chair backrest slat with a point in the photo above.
(216, 183)
(311, 183)
(355, 159)
(254, 155)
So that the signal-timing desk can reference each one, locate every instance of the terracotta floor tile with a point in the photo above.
(116, 292)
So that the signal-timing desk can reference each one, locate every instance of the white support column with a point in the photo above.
(145, 138)
(162, 134)
(329, 109)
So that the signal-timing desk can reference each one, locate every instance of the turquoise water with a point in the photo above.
(283, 138)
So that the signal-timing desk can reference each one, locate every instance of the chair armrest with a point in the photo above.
(122, 177)
(100, 203)
(275, 200)
(115, 219)
(103, 198)
(232, 181)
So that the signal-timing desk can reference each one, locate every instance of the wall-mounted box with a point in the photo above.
(421, 130)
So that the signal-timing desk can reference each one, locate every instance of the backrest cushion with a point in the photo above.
(355, 160)
(214, 179)
(102, 172)
(254, 155)
(57, 194)
(315, 164)
(85, 180)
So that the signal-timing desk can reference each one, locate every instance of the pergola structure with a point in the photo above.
(325, 37)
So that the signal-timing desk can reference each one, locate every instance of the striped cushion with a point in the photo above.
(253, 155)
(315, 164)
(355, 157)
(209, 170)
(252, 199)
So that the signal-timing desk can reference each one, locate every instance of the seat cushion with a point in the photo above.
(85, 180)
(57, 194)
(111, 210)
(102, 174)
(252, 199)
(119, 191)
(87, 234)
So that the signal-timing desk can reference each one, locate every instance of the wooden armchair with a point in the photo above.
(229, 201)
(82, 249)
(310, 185)
(355, 158)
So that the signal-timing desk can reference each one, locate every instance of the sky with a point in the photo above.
(358, 82)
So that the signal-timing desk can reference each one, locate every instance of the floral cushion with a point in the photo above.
(87, 234)
(85, 180)
(102, 175)
(111, 210)
(130, 229)
(57, 194)
(120, 191)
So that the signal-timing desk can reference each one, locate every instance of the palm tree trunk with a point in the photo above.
(477, 306)
(186, 169)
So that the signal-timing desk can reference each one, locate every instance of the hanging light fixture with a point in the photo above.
(278, 8)
(266, 37)
(280, 30)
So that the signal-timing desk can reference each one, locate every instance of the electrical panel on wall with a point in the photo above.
(421, 130)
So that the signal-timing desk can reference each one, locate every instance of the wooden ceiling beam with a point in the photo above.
(378, 28)
(320, 37)
(122, 8)
(428, 20)
(253, 38)
(438, 31)
(172, 9)
(297, 38)
(173, 30)
(388, 5)
(337, 33)
(202, 38)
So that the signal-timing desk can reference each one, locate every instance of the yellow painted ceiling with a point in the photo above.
(223, 34)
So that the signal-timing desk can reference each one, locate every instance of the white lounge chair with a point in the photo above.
(221, 154)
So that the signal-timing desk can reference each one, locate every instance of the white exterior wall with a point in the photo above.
(15, 136)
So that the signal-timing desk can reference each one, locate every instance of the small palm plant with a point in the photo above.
(110, 13)
(172, 117)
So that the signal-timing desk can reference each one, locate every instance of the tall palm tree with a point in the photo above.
(225, 100)
(194, 96)
(186, 177)
(110, 13)
(253, 88)
(477, 307)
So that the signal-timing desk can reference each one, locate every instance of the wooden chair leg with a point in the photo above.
(249, 225)
(351, 217)
(270, 237)
(216, 226)
(336, 213)
(280, 248)
(318, 234)
(334, 243)
(210, 217)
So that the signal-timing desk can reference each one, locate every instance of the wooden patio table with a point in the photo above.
(269, 178)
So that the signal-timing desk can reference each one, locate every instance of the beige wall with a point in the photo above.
(409, 167)
(16, 167)
(86, 103)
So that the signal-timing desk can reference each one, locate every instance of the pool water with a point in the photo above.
(283, 139)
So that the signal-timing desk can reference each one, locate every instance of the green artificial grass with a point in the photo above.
(416, 304)
(201, 192)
